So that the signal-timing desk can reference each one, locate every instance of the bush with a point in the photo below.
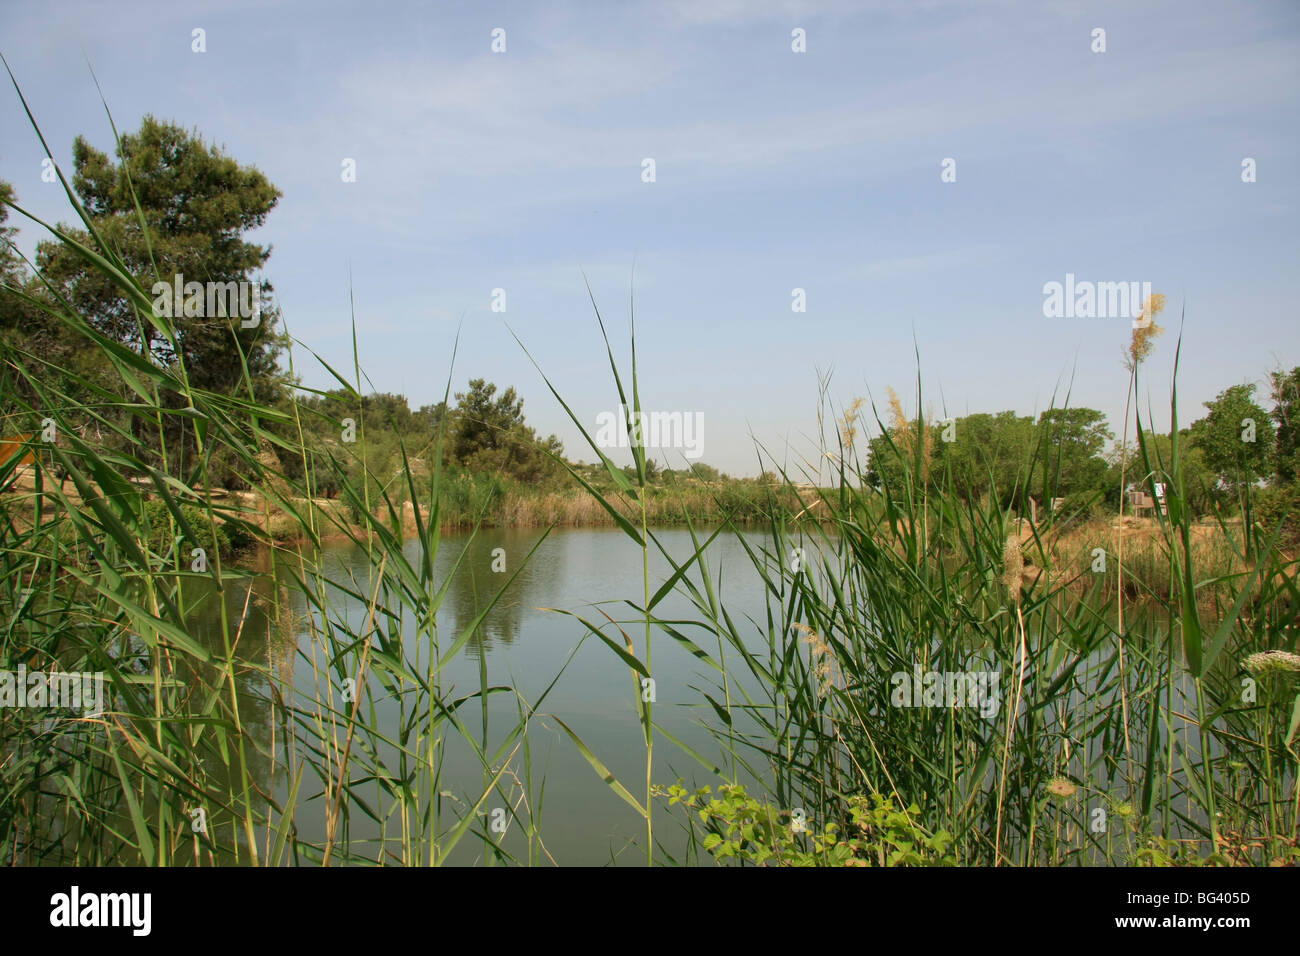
(1280, 503)
(739, 827)
(219, 538)
(1082, 506)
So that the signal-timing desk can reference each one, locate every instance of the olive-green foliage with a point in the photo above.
(1285, 387)
(165, 532)
(349, 436)
(989, 451)
(1236, 437)
(169, 205)
(1006, 454)
(1071, 441)
(196, 202)
(1280, 504)
(1064, 455)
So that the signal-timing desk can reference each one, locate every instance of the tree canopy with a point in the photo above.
(197, 203)
(1236, 437)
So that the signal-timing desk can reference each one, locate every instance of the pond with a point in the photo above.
(524, 641)
(530, 640)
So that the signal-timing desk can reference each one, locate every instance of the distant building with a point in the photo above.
(1142, 503)
(1056, 504)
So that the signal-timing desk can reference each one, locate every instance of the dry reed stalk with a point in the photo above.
(849, 424)
(1013, 564)
(905, 435)
(1140, 344)
(332, 819)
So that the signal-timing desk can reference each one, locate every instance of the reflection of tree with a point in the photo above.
(263, 646)
(475, 584)
(265, 629)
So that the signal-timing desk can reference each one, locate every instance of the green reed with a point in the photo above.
(171, 772)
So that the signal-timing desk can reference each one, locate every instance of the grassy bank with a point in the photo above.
(464, 501)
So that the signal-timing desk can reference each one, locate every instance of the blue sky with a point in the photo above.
(774, 170)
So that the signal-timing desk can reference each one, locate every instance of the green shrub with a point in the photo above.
(1082, 506)
(219, 537)
(1280, 503)
(878, 833)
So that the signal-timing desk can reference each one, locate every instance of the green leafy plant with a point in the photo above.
(740, 828)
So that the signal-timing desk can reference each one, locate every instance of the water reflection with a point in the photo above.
(518, 643)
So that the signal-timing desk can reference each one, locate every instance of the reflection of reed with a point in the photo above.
(282, 637)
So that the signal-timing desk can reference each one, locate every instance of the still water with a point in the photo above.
(523, 642)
